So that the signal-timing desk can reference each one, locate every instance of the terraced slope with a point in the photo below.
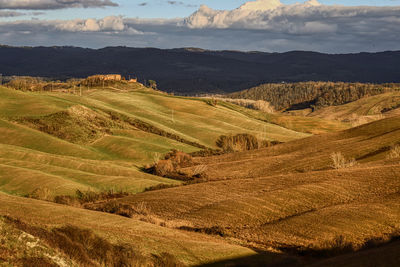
(289, 196)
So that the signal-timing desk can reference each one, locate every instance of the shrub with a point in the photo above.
(83, 197)
(164, 167)
(340, 162)
(394, 152)
(171, 164)
(214, 230)
(113, 207)
(179, 158)
(240, 142)
(91, 196)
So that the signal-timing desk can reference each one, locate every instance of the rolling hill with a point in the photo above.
(64, 142)
(290, 198)
(284, 205)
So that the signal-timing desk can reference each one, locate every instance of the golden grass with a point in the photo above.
(310, 125)
(267, 198)
(286, 197)
(65, 142)
(361, 111)
(190, 248)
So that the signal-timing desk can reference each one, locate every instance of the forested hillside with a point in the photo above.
(286, 96)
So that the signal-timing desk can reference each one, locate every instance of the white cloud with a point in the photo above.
(111, 24)
(53, 4)
(310, 17)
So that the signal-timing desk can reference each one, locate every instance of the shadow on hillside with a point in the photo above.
(259, 260)
(372, 255)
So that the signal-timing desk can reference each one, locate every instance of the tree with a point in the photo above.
(152, 84)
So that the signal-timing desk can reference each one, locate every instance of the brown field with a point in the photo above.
(272, 198)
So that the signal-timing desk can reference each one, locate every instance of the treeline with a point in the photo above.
(35, 84)
(287, 96)
(38, 84)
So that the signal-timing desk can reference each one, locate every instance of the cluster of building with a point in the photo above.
(111, 77)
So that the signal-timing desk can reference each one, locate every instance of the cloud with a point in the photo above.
(53, 4)
(8, 14)
(111, 24)
(310, 17)
(180, 3)
(264, 25)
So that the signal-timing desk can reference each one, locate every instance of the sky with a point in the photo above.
(330, 26)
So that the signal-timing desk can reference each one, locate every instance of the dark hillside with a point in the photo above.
(192, 71)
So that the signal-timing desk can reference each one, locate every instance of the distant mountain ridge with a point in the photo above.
(195, 70)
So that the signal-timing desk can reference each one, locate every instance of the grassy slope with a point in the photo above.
(368, 107)
(192, 119)
(147, 238)
(65, 166)
(272, 197)
(313, 125)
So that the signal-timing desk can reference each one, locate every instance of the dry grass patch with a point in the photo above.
(394, 152)
(340, 162)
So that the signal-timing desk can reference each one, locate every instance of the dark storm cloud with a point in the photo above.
(53, 4)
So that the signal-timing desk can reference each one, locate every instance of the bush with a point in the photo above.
(340, 162)
(91, 196)
(171, 164)
(240, 142)
(113, 207)
(394, 152)
(164, 167)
